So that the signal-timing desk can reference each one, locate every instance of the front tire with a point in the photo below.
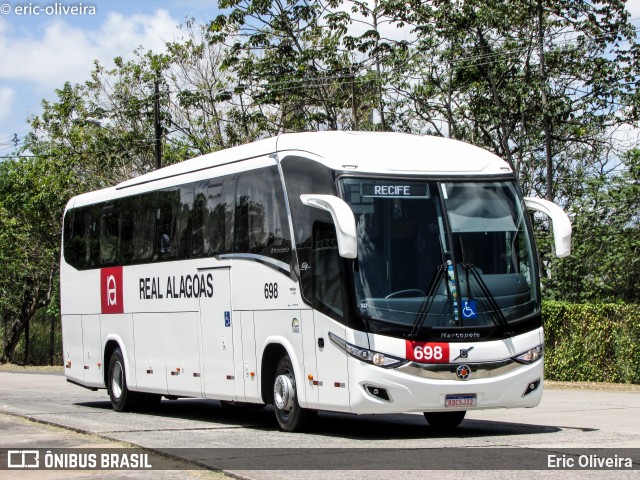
(290, 416)
(445, 420)
(122, 399)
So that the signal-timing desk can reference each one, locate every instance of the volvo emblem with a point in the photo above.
(464, 353)
(463, 372)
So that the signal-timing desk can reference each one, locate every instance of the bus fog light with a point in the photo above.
(378, 392)
(532, 387)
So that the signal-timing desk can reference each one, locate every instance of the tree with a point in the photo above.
(289, 54)
(542, 84)
(605, 262)
(33, 192)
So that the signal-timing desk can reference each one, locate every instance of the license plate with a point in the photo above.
(470, 400)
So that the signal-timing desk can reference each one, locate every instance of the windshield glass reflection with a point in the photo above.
(441, 254)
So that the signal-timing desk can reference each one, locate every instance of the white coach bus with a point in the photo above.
(350, 272)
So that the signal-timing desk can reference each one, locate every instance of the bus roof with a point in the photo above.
(386, 153)
(395, 153)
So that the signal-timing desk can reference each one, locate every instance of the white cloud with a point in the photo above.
(63, 52)
(6, 101)
(388, 30)
(633, 7)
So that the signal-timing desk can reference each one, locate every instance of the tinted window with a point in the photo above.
(213, 217)
(138, 227)
(306, 176)
(328, 291)
(187, 221)
(144, 207)
(126, 230)
(72, 251)
(261, 225)
(182, 223)
(81, 238)
(173, 223)
(109, 232)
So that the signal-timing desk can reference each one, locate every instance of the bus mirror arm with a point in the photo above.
(343, 219)
(560, 221)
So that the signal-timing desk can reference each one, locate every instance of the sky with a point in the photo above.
(45, 43)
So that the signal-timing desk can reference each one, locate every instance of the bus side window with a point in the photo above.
(126, 230)
(181, 240)
(109, 226)
(75, 238)
(92, 225)
(167, 202)
(261, 225)
(173, 223)
(81, 245)
(199, 209)
(213, 217)
(328, 288)
(144, 222)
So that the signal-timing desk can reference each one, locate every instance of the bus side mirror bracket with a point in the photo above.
(343, 219)
(560, 221)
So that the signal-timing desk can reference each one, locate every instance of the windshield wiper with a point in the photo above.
(428, 300)
(498, 316)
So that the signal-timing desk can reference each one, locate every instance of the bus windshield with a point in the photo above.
(441, 255)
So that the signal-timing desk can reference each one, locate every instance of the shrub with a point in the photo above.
(592, 342)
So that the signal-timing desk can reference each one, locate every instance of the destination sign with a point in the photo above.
(395, 190)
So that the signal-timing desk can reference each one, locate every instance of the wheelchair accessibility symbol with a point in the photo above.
(469, 309)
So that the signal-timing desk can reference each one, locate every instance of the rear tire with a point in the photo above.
(290, 416)
(445, 420)
(122, 399)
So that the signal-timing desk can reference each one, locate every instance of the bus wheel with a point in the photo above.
(290, 416)
(444, 420)
(122, 398)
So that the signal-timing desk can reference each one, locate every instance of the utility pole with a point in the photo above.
(156, 121)
(354, 105)
(546, 123)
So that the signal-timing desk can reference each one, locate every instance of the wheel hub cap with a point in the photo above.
(117, 381)
(283, 393)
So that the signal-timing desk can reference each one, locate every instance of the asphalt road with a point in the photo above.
(566, 419)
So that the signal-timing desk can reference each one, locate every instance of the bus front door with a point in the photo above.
(217, 334)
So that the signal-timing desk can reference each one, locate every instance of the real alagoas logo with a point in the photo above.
(111, 290)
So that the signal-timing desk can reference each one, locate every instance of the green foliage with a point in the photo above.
(592, 342)
(33, 192)
(40, 347)
(605, 262)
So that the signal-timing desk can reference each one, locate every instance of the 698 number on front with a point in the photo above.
(427, 352)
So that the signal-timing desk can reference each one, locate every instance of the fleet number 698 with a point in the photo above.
(428, 352)
(270, 290)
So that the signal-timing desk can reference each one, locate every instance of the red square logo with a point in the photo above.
(111, 290)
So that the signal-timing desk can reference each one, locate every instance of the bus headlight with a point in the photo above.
(530, 356)
(368, 356)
